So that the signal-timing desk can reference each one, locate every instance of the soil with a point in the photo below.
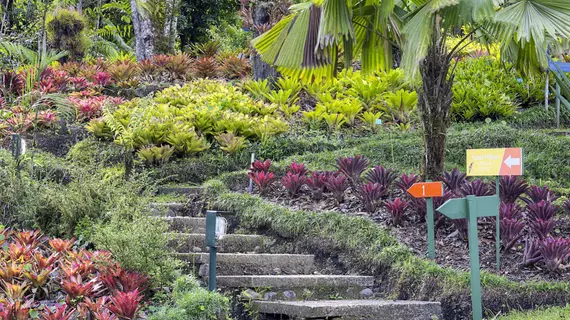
(451, 248)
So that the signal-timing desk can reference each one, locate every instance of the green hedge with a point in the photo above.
(369, 248)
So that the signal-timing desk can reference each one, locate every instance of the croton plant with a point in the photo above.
(50, 279)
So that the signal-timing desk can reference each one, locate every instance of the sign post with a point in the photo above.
(483, 162)
(428, 190)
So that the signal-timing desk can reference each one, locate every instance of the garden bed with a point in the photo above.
(451, 250)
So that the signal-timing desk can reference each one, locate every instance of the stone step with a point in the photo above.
(186, 224)
(348, 310)
(188, 190)
(252, 263)
(301, 287)
(230, 243)
(174, 209)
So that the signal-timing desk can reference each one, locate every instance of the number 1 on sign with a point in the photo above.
(424, 190)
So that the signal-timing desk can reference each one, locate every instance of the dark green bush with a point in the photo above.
(66, 32)
(540, 118)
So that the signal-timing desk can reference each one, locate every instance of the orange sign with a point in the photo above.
(426, 189)
(495, 162)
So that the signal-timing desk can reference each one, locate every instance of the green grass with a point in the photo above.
(556, 313)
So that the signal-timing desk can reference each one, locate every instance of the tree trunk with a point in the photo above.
(171, 20)
(144, 33)
(434, 104)
(261, 16)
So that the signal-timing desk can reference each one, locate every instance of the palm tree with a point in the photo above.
(307, 43)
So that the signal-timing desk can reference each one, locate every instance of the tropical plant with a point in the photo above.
(297, 168)
(337, 184)
(260, 166)
(454, 180)
(397, 210)
(477, 188)
(542, 228)
(536, 194)
(317, 182)
(405, 181)
(306, 43)
(231, 143)
(371, 119)
(511, 188)
(352, 167)
(382, 176)
(370, 194)
(293, 182)
(263, 180)
(511, 232)
(554, 252)
(544, 210)
(400, 105)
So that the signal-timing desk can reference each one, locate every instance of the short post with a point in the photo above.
(211, 217)
(251, 166)
(474, 258)
(16, 146)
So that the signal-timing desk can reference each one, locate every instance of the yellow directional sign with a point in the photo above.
(495, 162)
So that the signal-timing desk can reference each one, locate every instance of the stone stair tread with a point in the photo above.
(254, 263)
(230, 243)
(369, 309)
(293, 281)
(186, 224)
(180, 190)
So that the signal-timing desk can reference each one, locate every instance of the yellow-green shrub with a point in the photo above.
(187, 119)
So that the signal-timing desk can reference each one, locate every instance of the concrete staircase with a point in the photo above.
(277, 286)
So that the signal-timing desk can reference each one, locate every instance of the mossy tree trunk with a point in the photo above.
(434, 103)
(144, 33)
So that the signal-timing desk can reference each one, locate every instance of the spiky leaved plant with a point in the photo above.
(352, 168)
(511, 188)
(536, 194)
(337, 185)
(544, 210)
(511, 232)
(293, 182)
(370, 194)
(476, 188)
(405, 181)
(454, 179)
(397, 210)
(381, 175)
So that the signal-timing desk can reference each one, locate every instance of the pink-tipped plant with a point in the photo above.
(60, 312)
(382, 176)
(370, 194)
(337, 185)
(263, 180)
(297, 168)
(293, 182)
(260, 166)
(126, 305)
(531, 254)
(397, 210)
(317, 183)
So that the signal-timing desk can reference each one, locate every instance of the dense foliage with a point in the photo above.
(52, 279)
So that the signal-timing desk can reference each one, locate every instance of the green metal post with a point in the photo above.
(474, 258)
(498, 226)
(211, 217)
(431, 228)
